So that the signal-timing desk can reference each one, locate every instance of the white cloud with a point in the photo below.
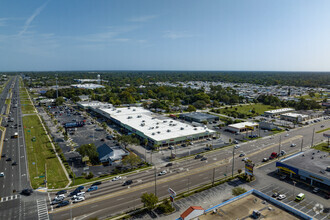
(31, 18)
(142, 18)
(3, 22)
(176, 35)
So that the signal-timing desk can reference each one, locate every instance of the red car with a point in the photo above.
(273, 155)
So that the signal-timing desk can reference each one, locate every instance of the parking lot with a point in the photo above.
(317, 210)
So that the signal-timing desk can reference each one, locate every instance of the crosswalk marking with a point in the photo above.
(42, 209)
(9, 198)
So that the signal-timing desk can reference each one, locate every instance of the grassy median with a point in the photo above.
(39, 153)
(27, 107)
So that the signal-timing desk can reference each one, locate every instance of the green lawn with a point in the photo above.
(40, 153)
(323, 130)
(322, 147)
(27, 107)
(246, 110)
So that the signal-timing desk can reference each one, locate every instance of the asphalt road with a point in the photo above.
(111, 198)
(12, 204)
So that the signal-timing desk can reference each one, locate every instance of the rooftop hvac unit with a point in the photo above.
(139, 116)
(164, 121)
(195, 129)
(182, 128)
(157, 123)
(143, 120)
(157, 127)
(134, 110)
(153, 133)
(158, 132)
(142, 124)
(129, 108)
(168, 130)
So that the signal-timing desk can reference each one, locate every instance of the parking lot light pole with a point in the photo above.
(302, 143)
(313, 137)
(294, 186)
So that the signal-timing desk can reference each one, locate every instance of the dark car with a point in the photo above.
(3, 155)
(74, 193)
(198, 156)
(61, 192)
(204, 158)
(14, 163)
(63, 203)
(97, 183)
(169, 165)
(275, 195)
(80, 188)
(8, 159)
(27, 192)
(127, 182)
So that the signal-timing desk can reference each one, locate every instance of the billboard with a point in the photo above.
(249, 168)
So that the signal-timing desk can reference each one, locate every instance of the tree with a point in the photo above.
(90, 151)
(131, 160)
(149, 200)
(59, 101)
(191, 108)
(238, 191)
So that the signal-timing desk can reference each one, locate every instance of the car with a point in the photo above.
(286, 135)
(27, 192)
(61, 192)
(300, 196)
(127, 182)
(245, 159)
(265, 159)
(116, 178)
(283, 152)
(204, 158)
(97, 183)
(8, 159)
(14, 163)
(169, 165)
(102, 139)
(2, 174)
(208, 139)
(281, 196)
(275, 194)
(171, 147)
(198, 156)
(3, 155)
(293, 145)
(92, 188)
(282, 177)
(78, 199)
(79, 194)
(237, 146)
(235, 142)
(316, 190)
(6, 139)
(322, 126)
(54, 202)
(184, 145)
(80, 188)
(162, 173)
(242, 155)
(207, 148)
(63, 203)
(74, 193)
(60, 197)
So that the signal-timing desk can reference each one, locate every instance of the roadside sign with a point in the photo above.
(171, 198)
(41, 176)
(326, 135)
(29, 130)
(172, 192)
(249, 168)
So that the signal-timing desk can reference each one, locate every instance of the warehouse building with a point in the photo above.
(276, 112)
(310, 166)
(294, 117)
(157, 129)
(242, 127)
(199, 117)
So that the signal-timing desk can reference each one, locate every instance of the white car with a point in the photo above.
(60, 197)
(116, 178)
(162, 173)
(237, 146)
(245, 159)
(2, 174)
(78, 199)
(80, 194)
(286, 135)
(281, 196)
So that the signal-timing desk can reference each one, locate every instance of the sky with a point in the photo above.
(255, 35)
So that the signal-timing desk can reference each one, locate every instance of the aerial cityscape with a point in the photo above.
(172, 110)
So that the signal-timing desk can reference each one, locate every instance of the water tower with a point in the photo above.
(99, 79)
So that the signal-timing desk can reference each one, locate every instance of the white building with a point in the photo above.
(155, 128)
(294, 117)
(242, 127)
(87, 86)
(93, 104)
(276, 112)
(192, 213)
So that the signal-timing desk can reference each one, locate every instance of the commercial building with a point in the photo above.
(250, 205)
(309, 166)
(267, 125)
(87, 86)
(47, 102)
(294, 117)
(93, 104)
(199, 117)
(242, 127)
(276, 112)
(157, 129)
(109, 154)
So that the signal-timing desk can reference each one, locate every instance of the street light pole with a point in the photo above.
(155, 181)
(279, 147)
(313, 137)
(232, 168)
(294, 186)
(302, 143)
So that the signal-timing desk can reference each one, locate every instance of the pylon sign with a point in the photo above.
(172, 192)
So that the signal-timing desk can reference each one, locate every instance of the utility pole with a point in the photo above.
(302, 143)
(155, 181)
(279, 147)
(213, 176)
(232, 168)
(313, 138)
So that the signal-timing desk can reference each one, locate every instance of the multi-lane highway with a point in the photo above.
(13, 205)
(112, 198)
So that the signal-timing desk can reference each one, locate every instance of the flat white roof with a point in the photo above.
(87, 86)
(156, 127)
(94, 104)
(279, 110)
(295, 115)
(244, 124)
